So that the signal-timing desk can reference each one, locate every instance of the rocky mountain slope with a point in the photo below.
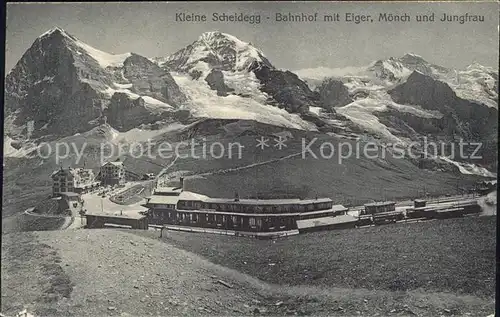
(216, 50)
(476, 82)
(64, 86)
(408, 98)
(65, 90)
(226, 54)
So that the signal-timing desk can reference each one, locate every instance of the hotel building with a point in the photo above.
(170, 205)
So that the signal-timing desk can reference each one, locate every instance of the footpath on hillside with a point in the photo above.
(119, 273)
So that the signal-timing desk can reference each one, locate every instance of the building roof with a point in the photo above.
(73, 171)
(54, 172)
(251, 214)
(66, 171)
(173, 199)
(380, 203)
(70, 194)
(163, 200)
(325, 221)
(132, 216)
(166, 190)
(339, 208)
(187, 195)
(117, 163)
(266, 202)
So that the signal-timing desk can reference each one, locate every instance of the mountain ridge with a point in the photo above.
(66, 87)
(63, 91)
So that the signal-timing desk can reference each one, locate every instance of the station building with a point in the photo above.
(174, 206)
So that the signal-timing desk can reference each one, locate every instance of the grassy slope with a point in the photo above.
(31, 273)
(453, 256)
(356, 180)
(117, 272)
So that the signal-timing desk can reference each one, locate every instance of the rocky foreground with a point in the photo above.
(118, 273)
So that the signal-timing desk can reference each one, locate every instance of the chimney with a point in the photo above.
(236, 196)
(181, 183)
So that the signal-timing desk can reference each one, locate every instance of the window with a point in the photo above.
(259, 222)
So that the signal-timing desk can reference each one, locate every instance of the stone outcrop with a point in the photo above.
(286, 89)
(53, 87)
(333, 93)
(470, 121)
(149, 79)
(215, 79)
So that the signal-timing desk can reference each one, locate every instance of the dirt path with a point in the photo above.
(116, 273)
(164, 171)
(119, 273)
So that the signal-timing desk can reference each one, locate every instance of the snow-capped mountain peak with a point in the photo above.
(411, 54)
(104, 59)
(215, 49)
(412, 57)
(477, 66)
(55, 30)
(216, 37)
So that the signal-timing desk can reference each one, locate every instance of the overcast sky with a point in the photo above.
(150, 29)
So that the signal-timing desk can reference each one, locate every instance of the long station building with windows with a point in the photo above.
(174, 206)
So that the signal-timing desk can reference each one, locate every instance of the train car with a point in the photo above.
(450, 213)
(387, 217)
(364, 220)
(421, 212)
